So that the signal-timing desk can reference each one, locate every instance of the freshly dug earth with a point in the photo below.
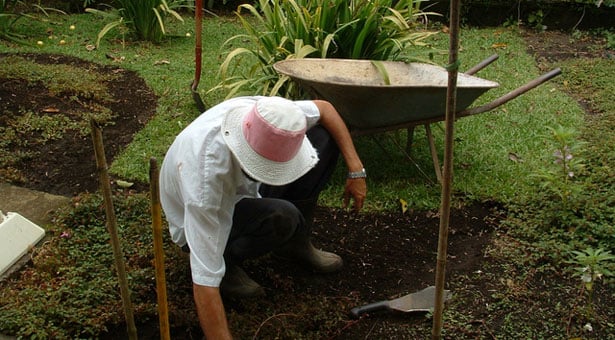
(386, 255)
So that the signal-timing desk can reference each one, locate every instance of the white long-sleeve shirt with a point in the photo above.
(200, 183)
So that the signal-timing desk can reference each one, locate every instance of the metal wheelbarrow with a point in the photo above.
(380, 96)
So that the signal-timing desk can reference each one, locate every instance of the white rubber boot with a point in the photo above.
(318, 260)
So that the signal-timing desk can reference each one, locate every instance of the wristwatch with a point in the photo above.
(357, 174)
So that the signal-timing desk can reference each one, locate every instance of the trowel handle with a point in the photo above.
(372, 307)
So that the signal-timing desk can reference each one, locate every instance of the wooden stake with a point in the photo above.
(447, 174)
(101, 168)
(161, 283)
(198, 51)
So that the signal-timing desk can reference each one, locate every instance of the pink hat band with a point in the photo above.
(272, 142)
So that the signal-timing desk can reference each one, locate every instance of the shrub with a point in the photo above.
(279, 30)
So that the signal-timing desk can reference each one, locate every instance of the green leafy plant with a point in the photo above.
(279, 30)
(535, 19)
(559, 179)
(591, 266)
(609, 35)
(144, 19)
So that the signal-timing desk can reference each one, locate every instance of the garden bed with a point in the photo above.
(387, 254)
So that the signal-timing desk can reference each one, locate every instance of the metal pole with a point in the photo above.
(447, 174)
(101, 167)
(161, 283)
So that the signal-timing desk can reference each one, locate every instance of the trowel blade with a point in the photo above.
(421, 301)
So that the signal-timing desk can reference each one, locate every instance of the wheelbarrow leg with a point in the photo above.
(409, 139)
(434, 153)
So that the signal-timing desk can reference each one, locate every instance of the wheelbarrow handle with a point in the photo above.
(510, 95)
(482, 64)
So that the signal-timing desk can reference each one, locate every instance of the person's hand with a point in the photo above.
(357, 189)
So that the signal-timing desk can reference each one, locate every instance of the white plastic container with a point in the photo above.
(17, 236)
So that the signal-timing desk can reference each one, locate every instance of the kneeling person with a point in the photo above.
(243, 180)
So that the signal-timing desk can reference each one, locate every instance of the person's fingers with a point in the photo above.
(355, 189)
(359, 203)
(346, 200)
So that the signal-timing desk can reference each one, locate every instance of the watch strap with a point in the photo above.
(357, 174)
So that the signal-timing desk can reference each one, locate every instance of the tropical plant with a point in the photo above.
(144, 19)
(279, 30)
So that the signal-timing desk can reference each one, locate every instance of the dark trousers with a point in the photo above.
(284, 213)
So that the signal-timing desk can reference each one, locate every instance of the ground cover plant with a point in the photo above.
(506, 267)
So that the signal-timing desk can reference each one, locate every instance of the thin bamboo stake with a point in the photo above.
(447, 175)
(161, 283)
(101, 168)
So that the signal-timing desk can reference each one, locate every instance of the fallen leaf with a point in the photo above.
(162, 62)
(51, 110)
(514, 157)
(90, 47)
(115, 58)
(499, 45)
(123, 184)
(404, 205)
(433, 214)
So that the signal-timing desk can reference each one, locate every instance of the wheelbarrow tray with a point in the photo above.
(359, 91)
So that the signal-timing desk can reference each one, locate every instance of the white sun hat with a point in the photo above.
(269, 140)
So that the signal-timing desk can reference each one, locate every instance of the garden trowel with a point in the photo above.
(421, 301)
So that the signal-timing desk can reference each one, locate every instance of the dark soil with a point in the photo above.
(386, 255)
(553, 46)
(67, 166)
